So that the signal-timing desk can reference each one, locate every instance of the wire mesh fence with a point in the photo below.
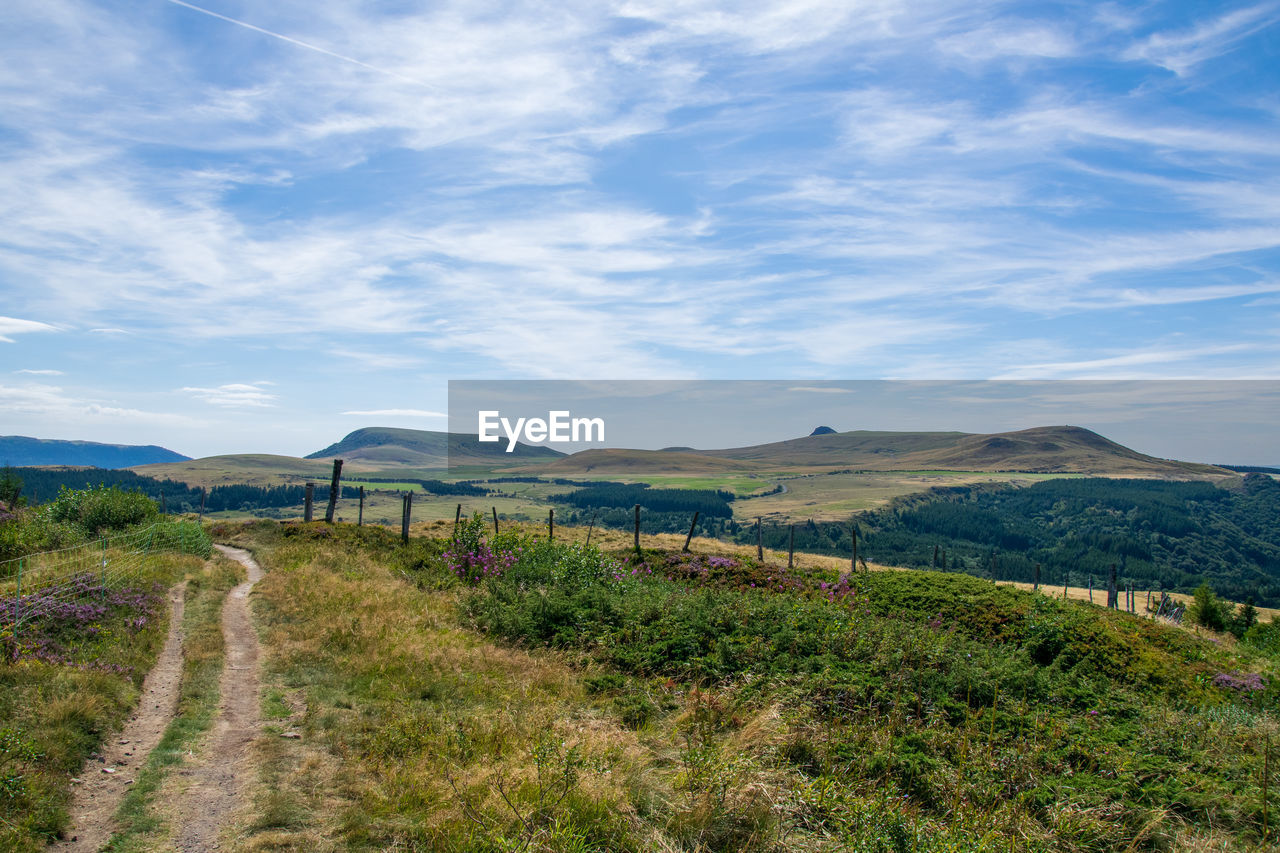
(50, 583)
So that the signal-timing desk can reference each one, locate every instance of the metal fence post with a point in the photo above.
(17, 606)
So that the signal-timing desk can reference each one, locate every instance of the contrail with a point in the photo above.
(294, 41)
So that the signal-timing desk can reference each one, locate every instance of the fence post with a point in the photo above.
(408, 516)
(791, 549)
(457, 520)
(495, 520)
(309, 494)
(1036, 585)
(551, 525)
(591, 527)
(17, 605)
(103, 573)
(692, 525)
(360, 517)
(1113, 593)
(637, 534)
(334, 490)
(853, 533)
(759, 540)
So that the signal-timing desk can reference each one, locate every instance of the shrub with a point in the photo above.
(98, 510)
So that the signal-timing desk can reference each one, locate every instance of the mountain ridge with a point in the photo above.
(23, 451)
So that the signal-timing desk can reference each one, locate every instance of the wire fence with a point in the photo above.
(40, 585)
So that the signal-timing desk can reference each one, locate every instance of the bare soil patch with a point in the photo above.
(106, 777)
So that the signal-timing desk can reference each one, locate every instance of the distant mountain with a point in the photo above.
(416, 448)
(20, 450)
(823, 430)
(1053, 449)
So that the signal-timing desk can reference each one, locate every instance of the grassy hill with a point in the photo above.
(413, 448)
(1049, 449)
(1042, 450)
(256, 469)
(20, 450)
(579, 700)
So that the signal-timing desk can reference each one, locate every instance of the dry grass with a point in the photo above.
(390, 692)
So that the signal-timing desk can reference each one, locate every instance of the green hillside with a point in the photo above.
(567, 699)
(389, 447)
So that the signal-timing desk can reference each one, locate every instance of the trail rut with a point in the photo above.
(106, 778)
(218, 782)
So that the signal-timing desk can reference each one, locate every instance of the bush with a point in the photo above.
(98, 510)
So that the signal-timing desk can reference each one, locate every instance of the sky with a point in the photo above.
(253, 227)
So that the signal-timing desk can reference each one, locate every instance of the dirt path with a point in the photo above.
(218, 782)
(105, 779)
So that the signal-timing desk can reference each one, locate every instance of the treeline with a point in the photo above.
(707, 502)
(434, 487)
(41, 485)
(1160, 535)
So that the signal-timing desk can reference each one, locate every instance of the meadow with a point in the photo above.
(513, 694)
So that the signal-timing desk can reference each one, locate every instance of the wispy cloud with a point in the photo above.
(13, 326)
(819, 389)
(1183, 50)
(30, 372)
(234, 395)
(653, 189)
(397, 413)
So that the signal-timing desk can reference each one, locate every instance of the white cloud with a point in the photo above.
(397, 413)
(14, 326)
(40, 372)
(1180, 52)
(51, 404)
(234, 395)
(821, 389)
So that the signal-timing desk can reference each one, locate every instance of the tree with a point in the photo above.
(1245, 617)
(1207, 609)
(11, 489)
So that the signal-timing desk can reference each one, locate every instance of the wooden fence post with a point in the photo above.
(591, 527)
(1036, 584)
(853, 535)
(791, 548)
(1113, 593)
(637, 531)
(334, 487)
(1091, 589)
(551, 525)
(759, 540)
(692, 525)
(408, 517)
(306, 501)
(457, 520)
(360, 517)
(495, 521)
(934, 564)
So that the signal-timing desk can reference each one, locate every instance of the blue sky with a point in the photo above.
(235, 227)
